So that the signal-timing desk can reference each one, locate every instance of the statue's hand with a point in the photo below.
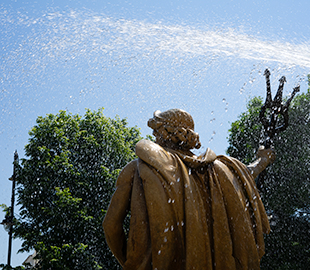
(268, 154)
(264, 158)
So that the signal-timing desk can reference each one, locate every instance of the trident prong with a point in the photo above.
(268, 101)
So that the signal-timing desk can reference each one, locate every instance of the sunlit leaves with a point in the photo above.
(65, 185)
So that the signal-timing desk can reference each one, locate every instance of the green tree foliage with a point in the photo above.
(65, 185)
(286, 191)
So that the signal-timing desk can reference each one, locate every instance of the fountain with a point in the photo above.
(76, 58)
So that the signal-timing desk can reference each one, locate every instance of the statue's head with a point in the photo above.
(174, 128)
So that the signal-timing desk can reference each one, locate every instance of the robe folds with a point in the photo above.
(186, 212)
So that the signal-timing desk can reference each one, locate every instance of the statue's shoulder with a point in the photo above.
(152, 153)
(146, 148)
(145, 144)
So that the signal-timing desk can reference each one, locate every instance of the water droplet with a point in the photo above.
(159, 251)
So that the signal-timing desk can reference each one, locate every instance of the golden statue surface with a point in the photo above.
(186, 211)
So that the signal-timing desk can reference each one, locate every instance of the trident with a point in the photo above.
(276, 108)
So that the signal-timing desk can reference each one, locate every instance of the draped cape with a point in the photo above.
(187, 212)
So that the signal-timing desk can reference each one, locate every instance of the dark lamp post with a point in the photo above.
(8, 221)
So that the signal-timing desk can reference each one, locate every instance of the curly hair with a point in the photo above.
(177, 126)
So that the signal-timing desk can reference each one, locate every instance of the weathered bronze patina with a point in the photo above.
(187, 211)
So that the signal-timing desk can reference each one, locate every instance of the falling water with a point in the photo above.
(76, 34)
(80, 59)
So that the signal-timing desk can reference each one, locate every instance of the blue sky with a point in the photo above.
(135, 57)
